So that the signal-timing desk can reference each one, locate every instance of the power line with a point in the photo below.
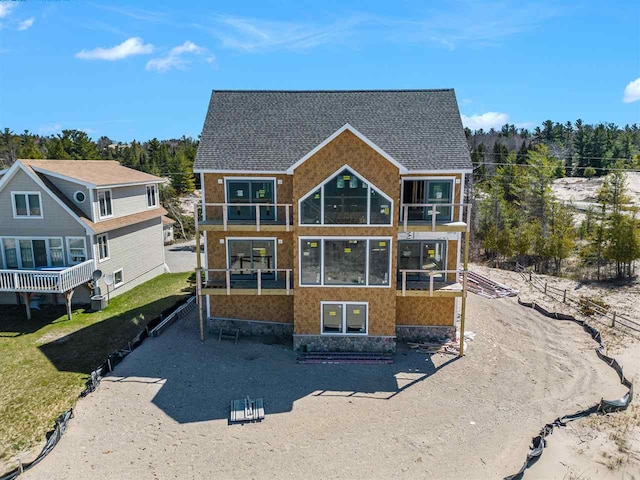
(605, 169)
(557, 157)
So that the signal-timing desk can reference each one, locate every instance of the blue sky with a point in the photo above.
(146, 69)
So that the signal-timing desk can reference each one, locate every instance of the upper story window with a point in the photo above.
(104, 203)
(346, 199)
(76, 250)
(253, 191)
(152, 196)
(427, 197)
(26, 204)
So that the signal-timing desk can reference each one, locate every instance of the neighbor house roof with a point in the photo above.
(43, 179)
(272, 130)
(167, 221)
(92, 173)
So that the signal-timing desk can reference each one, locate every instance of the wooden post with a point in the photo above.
(463, 309)
(67, 300)
(26, 296)
(613, 320)
(564, 297)
(195, 217)
(201, 303)
(545, 287)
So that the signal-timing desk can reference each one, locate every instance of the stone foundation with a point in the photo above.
(251, 327)
(338, 343)
(422, 333)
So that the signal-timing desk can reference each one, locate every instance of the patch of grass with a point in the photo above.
(45, 361)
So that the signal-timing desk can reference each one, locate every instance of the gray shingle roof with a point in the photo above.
(271, 130)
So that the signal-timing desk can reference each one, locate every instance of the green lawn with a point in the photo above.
(45, 361)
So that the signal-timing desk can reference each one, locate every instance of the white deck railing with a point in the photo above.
(259, 216)
(432, 274)
(430, 209)
(42, 281)
(258, 280)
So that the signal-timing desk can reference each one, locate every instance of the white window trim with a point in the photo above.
(321, 187)
(100, 216)
(116, 285)
(154, 186)
(28, 216)
(106, 237)
(344, 319)
(268, 239)
(19, 255)
(76, 193)
(84, 246)
(321, 239)
(431, 178)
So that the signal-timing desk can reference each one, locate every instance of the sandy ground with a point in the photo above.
(164, 412)
(582, 448)
(582, 191)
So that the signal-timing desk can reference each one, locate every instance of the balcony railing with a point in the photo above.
(46, 281)
(259, 279)
(431, 285)
(436, 214)
(257, 214)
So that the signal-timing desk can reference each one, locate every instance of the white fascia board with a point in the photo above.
(362, 137)
(439, 171)
(248, 172)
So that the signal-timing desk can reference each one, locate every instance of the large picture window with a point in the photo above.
(346, 199)
(345, 262)
(344, 318)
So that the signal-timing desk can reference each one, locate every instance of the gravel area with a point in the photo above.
(164, 412)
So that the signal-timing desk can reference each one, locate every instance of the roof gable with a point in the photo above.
(339, 132)
(269, 131)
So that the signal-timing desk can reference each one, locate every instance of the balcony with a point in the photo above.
(226, 281)
(255, 217)
(430, 283)
(47, 280)
(435, 217)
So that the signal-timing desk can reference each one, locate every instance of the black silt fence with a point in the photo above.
(604, 406)
(54, 435)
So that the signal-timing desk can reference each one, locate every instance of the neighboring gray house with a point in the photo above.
(60, 220)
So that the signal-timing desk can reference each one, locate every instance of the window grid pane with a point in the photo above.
(345, 262)
(356, 318)
(332, 318)
(21, 205)
(34, 205)
(379, 262)
(310, 258)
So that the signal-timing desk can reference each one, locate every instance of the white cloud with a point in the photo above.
(50, 128)
(26, 24)
(485, 120)
(5, 9)
(251, 34)
(175, 57)
(131, 46)
(632, 91)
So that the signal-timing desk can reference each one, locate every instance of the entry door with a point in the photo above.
(246, 256)
(40, 253)
(250, 191)
(421, 255)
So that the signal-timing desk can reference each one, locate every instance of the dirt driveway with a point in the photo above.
(164, 415)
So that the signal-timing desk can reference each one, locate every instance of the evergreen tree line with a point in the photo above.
(519, 219)
(167, 158)
(583, 150)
